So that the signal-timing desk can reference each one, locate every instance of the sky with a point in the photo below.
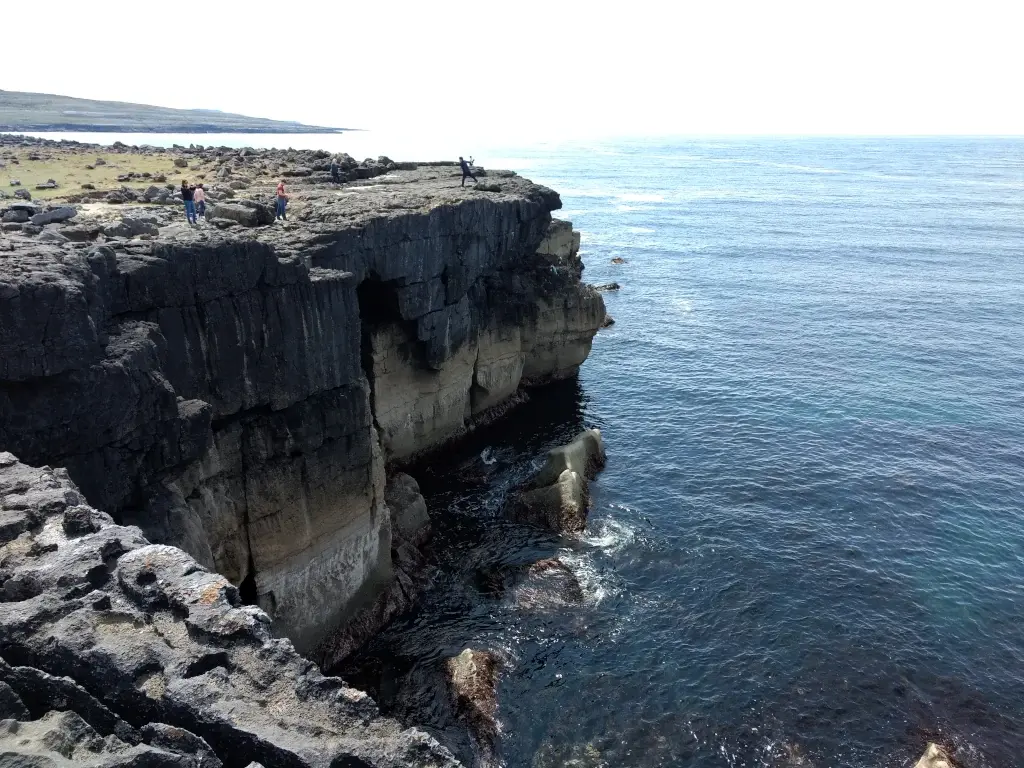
(555, 69)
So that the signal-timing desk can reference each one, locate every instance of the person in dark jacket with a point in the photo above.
(188, 195)
(466, 171)
(335, 171)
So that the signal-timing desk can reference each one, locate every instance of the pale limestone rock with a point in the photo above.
(499, 366)
(934, 757)
(585, 455)
(418, 408)
(558, 496)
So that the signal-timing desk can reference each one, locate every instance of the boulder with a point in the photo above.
(585, 455)
(24, 194)
(559, 507)
(100, 161)
(409, 519)
(180, 162)
(557, 498)
(300, 171)
(547, 585)
(472, 678)
(54, 215)
(16, 216)
(130, 227)
(607, 287)
(934, 757)
(82, 233)
(246, 213)
(52, 236)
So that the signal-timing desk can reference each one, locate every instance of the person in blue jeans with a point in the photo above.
(282, 201)
(188, 195)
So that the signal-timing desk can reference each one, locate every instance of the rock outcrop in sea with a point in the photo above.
(240, 396)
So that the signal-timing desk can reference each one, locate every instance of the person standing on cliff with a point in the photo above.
(199, 197)
(188, 195)
(466, 171)
(335, 170)
(282, 201)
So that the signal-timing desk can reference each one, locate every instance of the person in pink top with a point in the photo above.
(199, 196)
(282, 201)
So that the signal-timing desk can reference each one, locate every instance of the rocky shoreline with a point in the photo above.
(237, 399)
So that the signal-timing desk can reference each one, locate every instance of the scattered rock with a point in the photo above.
(607, 287)
(87, 185)
(487, 187)
(48, 184)
(54, 215)
(15, 182)
(619, 260)
(100, 161)
(300, 171)
(24, 194)
(221, 223)
(608, 321)
(180, 162)
(934, 757)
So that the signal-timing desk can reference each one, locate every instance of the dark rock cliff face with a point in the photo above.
(239, 395)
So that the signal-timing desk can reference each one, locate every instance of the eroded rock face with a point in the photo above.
(557, 498)
(237, 394)
(143, 653)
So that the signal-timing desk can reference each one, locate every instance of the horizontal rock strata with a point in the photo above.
(239, 393)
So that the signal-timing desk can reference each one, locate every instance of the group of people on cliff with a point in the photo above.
(194, 196)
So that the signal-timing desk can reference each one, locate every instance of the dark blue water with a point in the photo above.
(808, 544)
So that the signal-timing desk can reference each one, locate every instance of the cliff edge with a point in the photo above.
(239, 393)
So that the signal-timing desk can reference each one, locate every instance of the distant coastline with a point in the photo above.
(22, 112)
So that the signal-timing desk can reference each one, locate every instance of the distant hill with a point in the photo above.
(21, 111)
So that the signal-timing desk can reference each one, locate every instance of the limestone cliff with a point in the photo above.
(239, 394)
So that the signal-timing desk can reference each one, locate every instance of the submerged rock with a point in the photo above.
(934, 757)
(472, 683)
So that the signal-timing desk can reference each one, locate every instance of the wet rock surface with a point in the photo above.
(557, 498)
(115, 651)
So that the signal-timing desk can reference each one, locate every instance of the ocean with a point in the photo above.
(807, 548)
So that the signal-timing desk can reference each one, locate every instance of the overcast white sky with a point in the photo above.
(556, 69)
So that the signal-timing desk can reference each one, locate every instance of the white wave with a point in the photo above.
(640, 230)
(487, 456)
(609, 534)
(635, 198)
(594, 585)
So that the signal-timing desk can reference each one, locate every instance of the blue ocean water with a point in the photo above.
(807, 548)
(808, 545)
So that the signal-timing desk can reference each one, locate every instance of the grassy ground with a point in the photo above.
(69, 169)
